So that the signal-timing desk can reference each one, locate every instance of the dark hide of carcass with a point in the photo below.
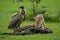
(31, 29)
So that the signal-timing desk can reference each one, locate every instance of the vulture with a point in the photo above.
(17, 20)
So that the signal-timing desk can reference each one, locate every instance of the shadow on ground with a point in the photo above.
(23, 33)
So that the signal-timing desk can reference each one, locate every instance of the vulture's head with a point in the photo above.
(22, 7)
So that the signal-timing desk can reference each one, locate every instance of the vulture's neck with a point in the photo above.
(23, 12)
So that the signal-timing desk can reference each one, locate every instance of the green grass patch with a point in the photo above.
(8, 8)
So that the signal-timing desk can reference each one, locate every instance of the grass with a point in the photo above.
(8, 8)
(54, 36)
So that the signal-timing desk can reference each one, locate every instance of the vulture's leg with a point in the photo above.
(18, 25)
(16, 31)
(16, 28)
